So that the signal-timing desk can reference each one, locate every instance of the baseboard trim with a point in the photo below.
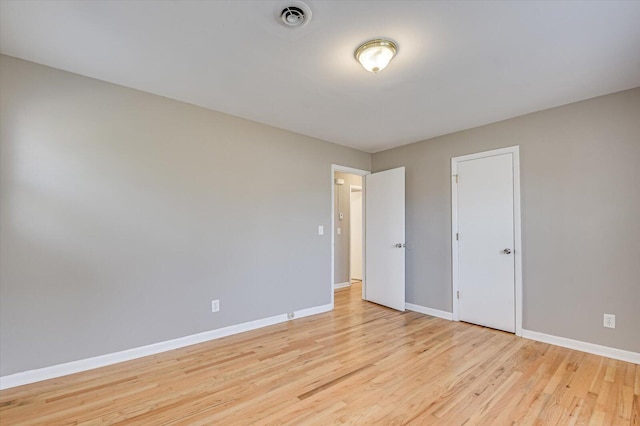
(342, 285)
(429, 311)
(32, 376)
(592, 348)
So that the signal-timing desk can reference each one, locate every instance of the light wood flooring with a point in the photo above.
(360, 364)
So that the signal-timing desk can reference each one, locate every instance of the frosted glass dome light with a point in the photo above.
(375, 55)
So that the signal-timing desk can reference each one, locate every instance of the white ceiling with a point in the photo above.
(460, 64)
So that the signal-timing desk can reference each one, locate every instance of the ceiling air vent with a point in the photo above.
(294, 14)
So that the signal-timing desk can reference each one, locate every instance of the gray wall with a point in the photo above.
(580, 183)
(123, 214)
(342, 252)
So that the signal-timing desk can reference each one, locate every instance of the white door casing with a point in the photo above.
(486, 239)
(385, 238)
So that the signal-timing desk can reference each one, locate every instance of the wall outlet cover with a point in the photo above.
(215, 305)
(609, 321)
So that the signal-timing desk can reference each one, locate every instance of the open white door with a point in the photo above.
(385, 244)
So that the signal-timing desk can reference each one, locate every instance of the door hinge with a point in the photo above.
(457, 178)
(458, 294)
(457, 236)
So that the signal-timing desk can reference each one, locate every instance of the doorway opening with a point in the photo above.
(347, 238)
(347, 219)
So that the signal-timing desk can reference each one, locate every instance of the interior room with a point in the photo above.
(348, 229)
(319, 212)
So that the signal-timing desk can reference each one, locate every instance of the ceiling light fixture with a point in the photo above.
(375, 55)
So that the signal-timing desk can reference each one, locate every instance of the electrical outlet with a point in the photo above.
(609, 321)
(215, 305)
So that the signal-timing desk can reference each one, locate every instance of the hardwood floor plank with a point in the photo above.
(331, 383)
(359, 364)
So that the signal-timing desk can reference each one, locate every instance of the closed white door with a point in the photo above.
(384, 230)
(486, 266)
(355, 226)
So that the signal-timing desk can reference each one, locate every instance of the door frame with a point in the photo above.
(517, 231)
(358, 188)
(344, 169)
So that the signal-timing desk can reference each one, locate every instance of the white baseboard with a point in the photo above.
(429, 311)
(32, 376)
(341, 285)
(592, 348)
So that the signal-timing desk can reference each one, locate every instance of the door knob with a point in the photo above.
(507, 251)
(399, 245)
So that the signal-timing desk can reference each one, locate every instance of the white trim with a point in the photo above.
(351, 170)
(31, 376)
(517, 238)
(342, 285)
(592, 348)
(429, 311)
(454, 242)
(337, 168)
(517, 250)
